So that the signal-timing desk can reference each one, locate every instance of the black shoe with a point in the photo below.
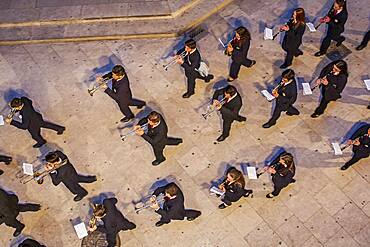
(78, 198)
(268, 125)
(319, 54)
(292, 181)
(360, 47)
(141, 106)
(221, 138)
(126, 119)
(299, 53)
(253, 63)
(192, 218)
(368, 107)
(209, 78)
(284, 66)
(315, 115)
(222, 206)
(345, 167)
(242, 119)
(291, 114)
(247, 193)
(340, 42)
(94, 179)
(18, 231)
(39, 144)
(61, 130)
(1, 172)
(159, 223)
(157, 162)
(187, 95)
(270, 195)
(8, 161)
(230, 79)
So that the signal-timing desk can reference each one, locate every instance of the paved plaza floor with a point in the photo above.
(325, 207)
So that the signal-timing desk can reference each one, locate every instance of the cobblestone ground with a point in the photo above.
(325, 207)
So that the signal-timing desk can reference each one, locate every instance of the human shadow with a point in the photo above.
(223, 167)
(352, 131)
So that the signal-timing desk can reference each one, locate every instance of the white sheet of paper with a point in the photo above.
(222, 43)
(306, 89)
(268, 34)
(268, 96)
(216, 191)
(81, 230)
(367, 83)
(311, 27)
(2, 120)
(337, 150)
(28, 169)
(252, 174)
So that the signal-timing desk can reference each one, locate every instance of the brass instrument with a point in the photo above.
(39, 176)
(95, 88)
(227, 44)
(160, 199)
(211, 109)
(173, 61)
(132, 132)
(11, 113)
(280, 31)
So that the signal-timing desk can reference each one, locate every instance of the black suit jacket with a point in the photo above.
(30, 118)
(229, 110)
(114, 221)
(240, 51)
(8, 205)
(336, 83)
(287, 95)
(120, 91)
(283, 175)
(337, 22)
(156, 136)
(173, 209)
(66, 174)
(234, 191)
(364, 147)
(191, 63)
(293, 37)
(30, 243)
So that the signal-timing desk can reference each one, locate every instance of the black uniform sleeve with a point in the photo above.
(217, 93)
(108, 76)
(361, 131)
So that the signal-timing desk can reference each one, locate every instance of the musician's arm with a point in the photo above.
(336, 22)
(159, 190)
(157, 138)
(195, 63)
(111, 93)
(233, 113)
(361, 131)
(326, 70)
(243, 52)
(55, 178)
(21, 125)
(107, 76)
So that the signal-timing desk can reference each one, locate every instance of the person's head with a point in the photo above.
(299, 15)
(286, 159)
(171, 190)
(241, 33)
(288, 75)
(230, 91)
(235, 176)
(339, 4)
(154, 118)
(98, 210)
(190, 45)
(118, 72)
(340, 67)
(368, 131)
(16, 103)
(52, 158)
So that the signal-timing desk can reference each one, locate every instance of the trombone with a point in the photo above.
(212, 109)
(160, 199)
(39, 176)
(173, 61)
(95, 88)
(132, 132)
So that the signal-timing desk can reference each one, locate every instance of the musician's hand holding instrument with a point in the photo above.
(179, 59)
(154, 204)
(217, 104)
(284, 28)
(104, 85)
(275, 93)
(271, 170)
(138, 130)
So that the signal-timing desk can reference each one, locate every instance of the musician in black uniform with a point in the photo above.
(332, 81)
(121, 92)
(286, 95)
(336, 19)
(238, 50)
(32, 120)
(10, 208)
(30, 243)
(361, 145)
(66, 174)
(233, 186)
(282, 171)
(6, 159)
(229, 108)
(364, 41)
(191, 63)
(173, 207)
(156, 135)
(113, 220)
(294, 31)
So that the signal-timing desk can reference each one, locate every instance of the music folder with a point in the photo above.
(306, 88)
(251, 171)
(268, 96)
(216, 190)
(311, 27)
(337, 149)
(367, 83)
(28, 169)
(2, 120)
(268, 34)
(80, 229)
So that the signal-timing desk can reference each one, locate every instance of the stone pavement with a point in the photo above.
(325, 207)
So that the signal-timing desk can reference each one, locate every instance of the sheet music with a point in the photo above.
(28, 169)
(337, 150)
(216, 191)
(268, 96)
(2, 120)
(222, 43)
(252, 174)
(367, 83)
(306, 89)
(311, 27)
(268, 34)
(80, 230)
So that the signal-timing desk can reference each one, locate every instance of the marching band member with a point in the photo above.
(229, 108)
(30, 243)
(286, 95)
(66, 174)
(233, 186)
(335, 19)
(10, 208)
(113, 220)
(6, 159)
(282, 170)
(121, 92)
(173, 207)
(191, 63)
(294, 31)
(364, 41)
(332, 80)
(31, 120)
(238, 50)
(361, 146)
(156, 135)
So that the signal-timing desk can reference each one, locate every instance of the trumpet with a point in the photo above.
(173, 61)
(39, 176)
(132, 132)
(11, 113)
(160, 199)
(100, 85)
(211, 109)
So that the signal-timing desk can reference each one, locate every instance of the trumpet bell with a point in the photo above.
(91, 91)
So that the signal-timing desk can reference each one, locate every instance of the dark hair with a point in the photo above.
(342, 65)
(230, 90)
(16, 102)
(243, 33)
(154, 117)
(171, 189)
(288, 74)
(191, 43)
(288, 159)
(118, 70)
(342, 3)
(237, 176)
(99, 210)
(52, 157)
(300, 16)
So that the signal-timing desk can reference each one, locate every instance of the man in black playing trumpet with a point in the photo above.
(10, 208)
(332, 81)
(191, 63)
(31, 120)
(156, 135)
(121, 92)
(286, 95)
(360, 141)
(61, 170)
(229, 107)
(173, 207)
(6, 159)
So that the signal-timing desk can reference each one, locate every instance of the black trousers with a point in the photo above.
(4, 158)
(12, 221)
(322, 106)
(158, 149)
(235, 67)
(77, 189)
(356, 157)
(277, 112)
(366, 38)
(189, 213)
(36, 131)
(191, 82)
(125, 109)
(226, 126)
(290, 53)
(327, 40)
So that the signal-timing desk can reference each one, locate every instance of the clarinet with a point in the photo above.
(330, 73)
(331, 11)
(288, 23)
(271, 166)
(357, 139)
